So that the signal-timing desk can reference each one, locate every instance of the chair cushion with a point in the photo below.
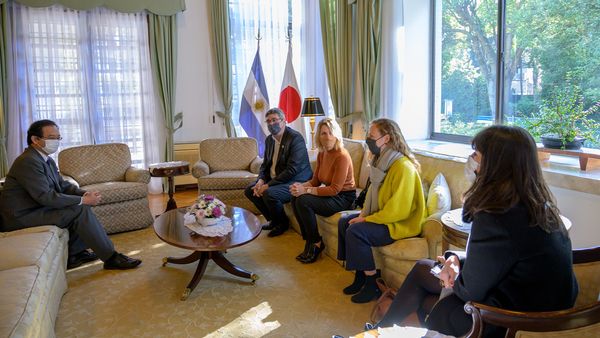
(438, 197)
(226, 180)
(22, 249)
(228, 153)
(95, 163)
(119, 191)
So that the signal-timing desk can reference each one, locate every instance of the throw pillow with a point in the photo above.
(439, 199)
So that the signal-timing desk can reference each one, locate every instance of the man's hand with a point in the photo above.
(91, 198)
(257, 190)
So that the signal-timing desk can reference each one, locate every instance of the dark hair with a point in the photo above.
(35, 129)
(509, 174)
(397, 141)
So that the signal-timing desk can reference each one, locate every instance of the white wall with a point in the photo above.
(583, 210)
(195, 85)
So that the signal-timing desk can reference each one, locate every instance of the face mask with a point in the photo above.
(274, 128)
(470, 169)
(372, 144)
(51, 146)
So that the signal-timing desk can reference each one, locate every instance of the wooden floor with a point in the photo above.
(183, 198)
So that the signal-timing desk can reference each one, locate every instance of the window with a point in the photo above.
(546, 44)
(87, 71)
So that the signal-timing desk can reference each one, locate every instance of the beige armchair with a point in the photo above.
(107, 169)
(226, 167)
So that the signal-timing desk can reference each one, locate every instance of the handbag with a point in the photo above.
(384, 302)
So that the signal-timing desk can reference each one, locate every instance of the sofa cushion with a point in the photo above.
(227, 180)
(438, 197)
(95, 163)
(228, 153)
(357, 150)
(113, 192)
(19, 248)
(22, 292)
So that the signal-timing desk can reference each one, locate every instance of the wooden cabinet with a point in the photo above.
(186, 152)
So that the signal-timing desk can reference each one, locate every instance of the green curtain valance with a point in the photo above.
(158, 7)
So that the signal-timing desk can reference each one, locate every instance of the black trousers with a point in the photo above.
(271, 202)
(85, 231)
(355, 242)
(306, 208)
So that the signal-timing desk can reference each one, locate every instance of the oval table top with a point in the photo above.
(170, 228)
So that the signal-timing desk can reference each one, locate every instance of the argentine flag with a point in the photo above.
(255, 103)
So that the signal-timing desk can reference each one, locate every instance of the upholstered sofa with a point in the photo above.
(33, 280)
(124, 188)
(226, 167)
(396, 260)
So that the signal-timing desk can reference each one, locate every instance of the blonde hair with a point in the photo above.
(336, 131)
(397, 141)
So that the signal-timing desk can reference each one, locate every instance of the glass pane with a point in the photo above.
(465, 66)
(553, 60)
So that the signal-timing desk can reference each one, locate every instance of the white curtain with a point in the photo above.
(87, 71)
(392, 60)
(271, 17)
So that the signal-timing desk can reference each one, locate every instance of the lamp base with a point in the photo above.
(311, 122)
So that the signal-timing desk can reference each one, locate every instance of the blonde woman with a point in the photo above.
(394, 208)
(330, 190)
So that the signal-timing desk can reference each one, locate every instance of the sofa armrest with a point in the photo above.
(200, 169)
(134, 174)
(432, 232)
(255, 165)
(70, 180)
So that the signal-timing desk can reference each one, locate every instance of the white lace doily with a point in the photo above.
(221, 228)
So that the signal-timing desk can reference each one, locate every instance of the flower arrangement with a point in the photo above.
(207, 207)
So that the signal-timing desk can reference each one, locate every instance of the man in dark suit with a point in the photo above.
(285, 162)
(35, 194)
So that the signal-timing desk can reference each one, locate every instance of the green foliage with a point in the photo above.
(563, 116)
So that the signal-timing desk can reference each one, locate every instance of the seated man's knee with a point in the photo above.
(249, 192)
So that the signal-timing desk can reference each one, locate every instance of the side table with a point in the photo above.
(169, 170)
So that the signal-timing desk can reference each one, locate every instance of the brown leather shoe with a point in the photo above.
(118, 261)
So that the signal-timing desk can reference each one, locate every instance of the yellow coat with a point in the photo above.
(401, 201)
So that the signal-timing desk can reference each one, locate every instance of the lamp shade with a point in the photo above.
(312, 107)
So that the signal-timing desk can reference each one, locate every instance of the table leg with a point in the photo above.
(226, 265)
(171, 203)
(196, 255)
(204, 258)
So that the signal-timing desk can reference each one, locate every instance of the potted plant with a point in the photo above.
(561, 121)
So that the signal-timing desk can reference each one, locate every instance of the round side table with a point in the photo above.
(169, 170)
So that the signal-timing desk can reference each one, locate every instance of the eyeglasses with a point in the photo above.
(52, 138)
(271, 121)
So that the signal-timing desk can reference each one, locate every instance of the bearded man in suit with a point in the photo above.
(285, 162)
(35, 194)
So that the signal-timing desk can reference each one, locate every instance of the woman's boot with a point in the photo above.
(357, 284)
(370, 291)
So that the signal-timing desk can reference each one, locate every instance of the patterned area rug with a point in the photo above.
(289, 300)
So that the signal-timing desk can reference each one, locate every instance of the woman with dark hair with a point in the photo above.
(518, 254)
(393, 209)
(330, 190)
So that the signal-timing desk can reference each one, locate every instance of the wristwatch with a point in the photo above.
(309, 190)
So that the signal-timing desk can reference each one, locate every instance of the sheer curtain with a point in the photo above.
(392, 59)
(89, 71)
(271, 17)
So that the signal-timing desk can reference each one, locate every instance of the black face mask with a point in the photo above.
(274, 129)
(372, 144)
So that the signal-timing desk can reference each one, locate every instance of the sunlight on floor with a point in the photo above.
(249, 324)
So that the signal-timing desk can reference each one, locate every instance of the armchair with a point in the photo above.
(226, 167)
(581, 321)
(107, 169)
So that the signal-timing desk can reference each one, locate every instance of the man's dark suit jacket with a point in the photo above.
(34, 193)
(292, 164)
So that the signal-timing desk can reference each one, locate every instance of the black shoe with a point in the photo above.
(313, 253)
(81, 258)
(278, 230)
(268, 226)
(118, 261)
(369, 326)
(357, 284)
(302, 256)
(370, 291)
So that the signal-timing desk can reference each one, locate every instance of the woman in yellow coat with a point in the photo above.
(394, 208)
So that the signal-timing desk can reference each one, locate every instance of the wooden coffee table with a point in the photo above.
(169, 228)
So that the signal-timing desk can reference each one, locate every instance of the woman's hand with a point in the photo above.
(450, 270)
(356, 220)
(297, 189)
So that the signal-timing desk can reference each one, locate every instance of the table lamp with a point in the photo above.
(310, 108)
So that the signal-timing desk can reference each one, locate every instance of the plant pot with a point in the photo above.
(557, 143)
(209, 221)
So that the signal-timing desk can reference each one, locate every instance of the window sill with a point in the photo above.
(559, 171)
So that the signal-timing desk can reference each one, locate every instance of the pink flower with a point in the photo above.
(217, 212)
(209, 198)
(199, 214)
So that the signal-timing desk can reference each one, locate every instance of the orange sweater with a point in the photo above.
(334, 170)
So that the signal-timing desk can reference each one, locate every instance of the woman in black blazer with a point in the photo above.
(518, 254)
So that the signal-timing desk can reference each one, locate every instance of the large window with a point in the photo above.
(548, 45)
(87, 71)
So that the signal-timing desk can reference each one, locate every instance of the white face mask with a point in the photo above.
(470, 169)
(51, 146)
